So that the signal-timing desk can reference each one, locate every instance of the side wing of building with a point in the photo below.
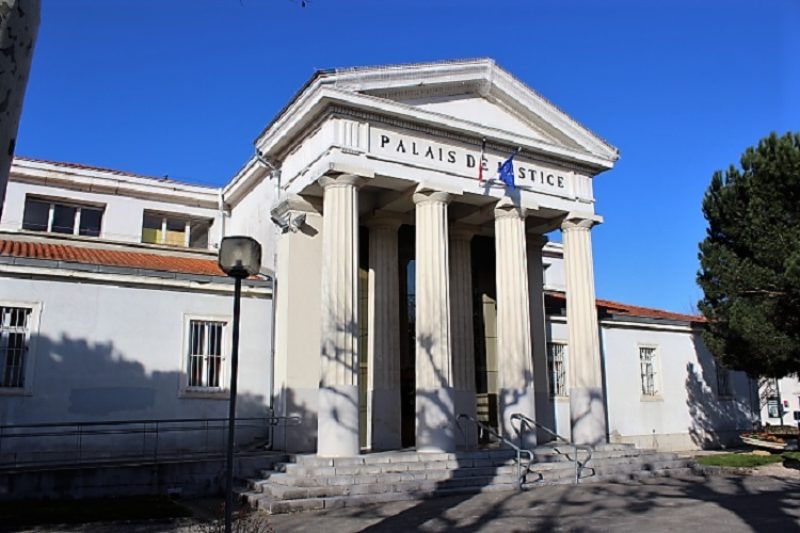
(113, 307)
(664, 389)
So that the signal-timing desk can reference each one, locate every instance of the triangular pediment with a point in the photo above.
(480, 110)
(470, 98)
(478, 92)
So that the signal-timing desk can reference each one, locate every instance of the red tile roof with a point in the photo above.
(110, 257)
(634, 310)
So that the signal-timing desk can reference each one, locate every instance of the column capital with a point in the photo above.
(424, 196)
(579, 221)
(384, 219)
(536, 240)
(505, 209)
(340, 180)
(463, 232)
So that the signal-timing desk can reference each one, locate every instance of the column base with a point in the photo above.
(588, 416)
(464, 403)
(337, 421)
(386, 420)
(511, 401)
(436, 420)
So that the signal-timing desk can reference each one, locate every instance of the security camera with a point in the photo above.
(297, 222)
(282, 225)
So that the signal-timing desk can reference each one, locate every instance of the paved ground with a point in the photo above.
(724, 504)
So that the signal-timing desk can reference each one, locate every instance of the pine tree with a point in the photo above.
(750, 260)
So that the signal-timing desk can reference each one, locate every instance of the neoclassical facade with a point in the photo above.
(398, 290)
(365, 152)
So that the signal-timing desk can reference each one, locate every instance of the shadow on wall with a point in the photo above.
(75, 381)
(715, 421)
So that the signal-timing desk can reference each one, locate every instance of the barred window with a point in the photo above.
(647, 361)
(556, 368)
(14, 339)
(205, 358)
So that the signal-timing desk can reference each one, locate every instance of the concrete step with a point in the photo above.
(303, 484)
(399, 457)
(273, 506)
(320, 501)
(312, 470)
(310, 482)
(568, 454)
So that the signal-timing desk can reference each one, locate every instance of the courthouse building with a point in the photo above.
(398, 290)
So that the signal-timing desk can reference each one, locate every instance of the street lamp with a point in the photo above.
(239, 257)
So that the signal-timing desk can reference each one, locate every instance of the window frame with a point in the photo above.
(727, 394)
(187, 220)
(78, 205)
(565, 369)
(657, 394)
(31, 341)
(215, 393)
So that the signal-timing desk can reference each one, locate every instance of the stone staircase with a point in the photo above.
(308, 482)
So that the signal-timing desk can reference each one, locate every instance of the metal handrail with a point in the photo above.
(110, 428)
(579, 466)
(519, 450)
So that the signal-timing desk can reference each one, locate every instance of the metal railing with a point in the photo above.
(531, 423)
(130, 441)
(521, 475)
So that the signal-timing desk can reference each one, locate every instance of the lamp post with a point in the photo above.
(239, 257)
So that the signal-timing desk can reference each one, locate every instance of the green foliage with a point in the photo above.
(738, 460)
(750, 260)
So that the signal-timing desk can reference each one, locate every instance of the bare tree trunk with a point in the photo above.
(19, 24)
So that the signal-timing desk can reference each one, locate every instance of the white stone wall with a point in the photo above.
(122, 218)
(553, 261)
(114, 352)
(558, 408)
(251, 217)
(688, 412)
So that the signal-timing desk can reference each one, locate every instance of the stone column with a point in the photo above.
(384, 333)
(586, 401)
(338, 388)
(515, 392)
(435, 424)
(461, 325)
(544, 409)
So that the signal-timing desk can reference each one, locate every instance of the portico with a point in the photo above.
(378, 306)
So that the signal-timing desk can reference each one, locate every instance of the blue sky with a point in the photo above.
(182, 87)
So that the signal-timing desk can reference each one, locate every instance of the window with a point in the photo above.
(556, 368)
(14, 340)
(723, 382)
(58, 216)
(175, 230)
(647, 362)
(205, 354)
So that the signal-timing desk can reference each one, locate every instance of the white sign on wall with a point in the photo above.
(463, 160)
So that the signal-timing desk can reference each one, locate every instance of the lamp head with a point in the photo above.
(240, 257)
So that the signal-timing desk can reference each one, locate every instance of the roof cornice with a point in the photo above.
(107, 181)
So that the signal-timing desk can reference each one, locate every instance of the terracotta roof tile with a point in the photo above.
(635, 310)
(110, 257)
